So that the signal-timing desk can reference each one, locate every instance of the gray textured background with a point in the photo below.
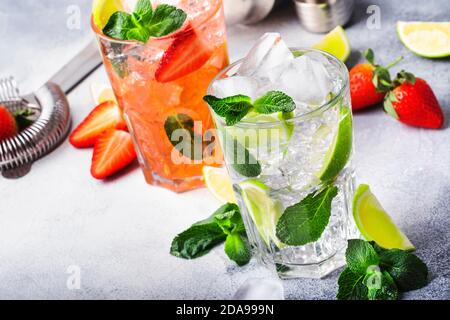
(119, 232)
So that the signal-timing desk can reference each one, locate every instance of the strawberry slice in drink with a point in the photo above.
(187, 53)
(113, 151)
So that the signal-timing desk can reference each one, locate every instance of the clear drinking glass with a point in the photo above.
(276, 162)
(159, 86)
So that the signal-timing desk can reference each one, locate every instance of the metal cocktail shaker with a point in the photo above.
(323, 15)
(248, 11)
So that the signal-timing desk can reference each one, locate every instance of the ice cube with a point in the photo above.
(260, 289)
(267, 59)
(306, 80)
(235, 85)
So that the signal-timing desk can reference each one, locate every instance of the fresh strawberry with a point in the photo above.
(8, 124)
(413, 102)
(11, 124)
(369, 82)
(186, 54)
(113, 151)
(105, 116)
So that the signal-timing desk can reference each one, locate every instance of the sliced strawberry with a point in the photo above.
(105, 116)
(113, 151)
(186, 54)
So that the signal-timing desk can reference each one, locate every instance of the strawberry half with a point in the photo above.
(113, 151)
(105, 116)
(413, 102)
(8, 124)
(186, 54)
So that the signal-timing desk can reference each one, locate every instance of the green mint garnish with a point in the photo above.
(374, 273)
(144, 23)
(224, 225)
(180, 132)
(242, 161)
(274, 101)
(305, 221)
(234, 108)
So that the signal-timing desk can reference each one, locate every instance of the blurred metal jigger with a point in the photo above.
(248, 11)
(321, 16)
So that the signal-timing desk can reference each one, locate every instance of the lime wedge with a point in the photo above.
(264, 211)
(426, 39)
(261, 136)
(219, 183)
(336, 43)
(341, 148)
(375, 224)
(102, 10)
(102, 93)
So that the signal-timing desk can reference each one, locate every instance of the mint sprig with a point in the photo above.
(234, 108)
(144, 23)
(224, 225)
(374, 273)
(305, 221)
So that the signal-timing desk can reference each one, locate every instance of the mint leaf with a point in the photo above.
(118, 26)
(274, 101)
(407, 270)
(197, 241)
(138, 34)
(232, 108)
(144, 11)
(237, 249)
(351, 286)
(305, 221)
(229, 219)
(166, 19)
(360, 256)
(381, 286)
(242, 161)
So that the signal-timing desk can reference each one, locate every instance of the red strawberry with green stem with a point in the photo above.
(11, 124)
(413, 102)
(369, 82)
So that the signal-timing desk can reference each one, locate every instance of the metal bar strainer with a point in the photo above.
(52, 114)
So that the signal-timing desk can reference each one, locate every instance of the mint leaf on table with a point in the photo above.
(360, 255)
(407, 270)
(305, 221)
(237, 249)
(381, 286)
(232, 108)
(225, 224)
(144, 23)
(351, 286)
(274, 101)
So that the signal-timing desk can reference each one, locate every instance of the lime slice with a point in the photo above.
(341, 148)
(375, 224)
(336, 43)
(427, 39)
(102, 10)
(264, 211)
(272, 136)
(102, 93)
(219, 183)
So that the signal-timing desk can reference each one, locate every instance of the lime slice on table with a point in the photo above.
(341, 148)
(336, 43)
(102, 10)
(219, 183)
(427, 39)
(264, 211)
(278, 135)
(375, 224)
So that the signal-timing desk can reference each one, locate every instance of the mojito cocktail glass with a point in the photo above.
(292, 172)
(159, 85)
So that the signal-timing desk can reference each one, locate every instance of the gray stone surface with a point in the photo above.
(118, 232)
